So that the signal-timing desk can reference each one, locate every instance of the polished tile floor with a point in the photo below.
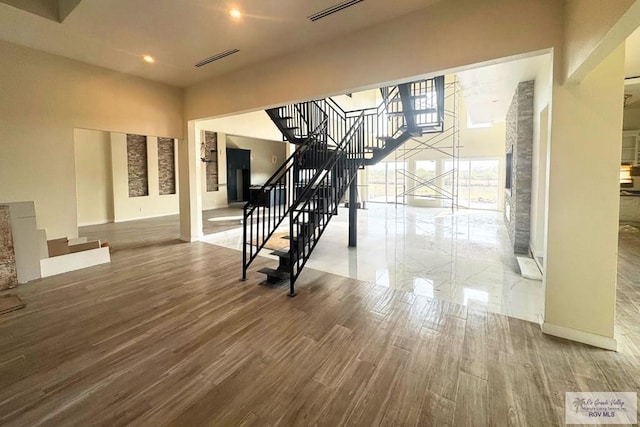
(462, 257)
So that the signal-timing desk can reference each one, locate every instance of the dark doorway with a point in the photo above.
(238, 174)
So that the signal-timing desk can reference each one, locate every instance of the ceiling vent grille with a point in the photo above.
(333, 9)
(220, 55)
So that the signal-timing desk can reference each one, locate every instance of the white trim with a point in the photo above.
(100, 222)
(595, 340)
(633, 81)
(537, 254)
(146, 217)
(189, 239)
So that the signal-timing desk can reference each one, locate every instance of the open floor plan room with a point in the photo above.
(168, 335)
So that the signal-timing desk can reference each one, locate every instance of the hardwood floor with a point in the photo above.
(158, 231)
(167, 335)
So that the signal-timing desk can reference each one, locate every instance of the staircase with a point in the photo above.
(332, 145)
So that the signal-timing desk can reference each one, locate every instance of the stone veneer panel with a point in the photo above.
(8, 274)
(211, 148)
(137, 165)
(166, 166)
(519, 141)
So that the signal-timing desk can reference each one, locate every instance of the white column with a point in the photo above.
(190, 186)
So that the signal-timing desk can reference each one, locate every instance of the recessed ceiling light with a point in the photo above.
(148, 58)
(235, 13)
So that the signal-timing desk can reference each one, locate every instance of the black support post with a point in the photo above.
(353, 212)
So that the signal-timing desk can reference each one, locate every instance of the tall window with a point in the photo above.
(426, 186)
(377, 183)
(477, 182)
(386, 182)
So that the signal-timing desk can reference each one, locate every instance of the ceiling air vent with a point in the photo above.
(333, 9)
(220, 55)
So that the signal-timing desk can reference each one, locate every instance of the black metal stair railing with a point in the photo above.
(334, 143)
(297, 122)
(319, 202)
(383, 121)
(427, 102)
(270, 205)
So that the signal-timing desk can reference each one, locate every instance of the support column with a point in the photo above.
(353, 212)
(189, 172)
(583, 194)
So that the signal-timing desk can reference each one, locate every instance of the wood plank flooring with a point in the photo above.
(167, 335)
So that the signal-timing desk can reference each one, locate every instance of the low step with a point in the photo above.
(274, 277)
(528, 268)
(281, 254)
(284, 260)
(295, 242)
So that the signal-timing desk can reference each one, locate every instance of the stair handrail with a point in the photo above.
(331, 159)
(375, 120)
(349, 153)
(288, 171)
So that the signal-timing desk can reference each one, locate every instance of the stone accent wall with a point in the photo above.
(137, 165)
(166, 166)
(519, 141)
(211, 149)
(8, 275)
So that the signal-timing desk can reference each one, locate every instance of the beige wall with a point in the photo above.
(263, 152)
(256, 124)
(413, 45)
(102, 180)
(153, 205)
(94, 179)
(583, 197)
(44, 97)
(587, 24)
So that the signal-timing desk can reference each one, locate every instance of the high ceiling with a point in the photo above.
(179, 33)
(488, 90)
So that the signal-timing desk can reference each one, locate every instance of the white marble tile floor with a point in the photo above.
(462, 257)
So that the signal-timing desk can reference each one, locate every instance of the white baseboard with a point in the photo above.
(190, 239)
(595, 340)
(100, 222)
(146, 217)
